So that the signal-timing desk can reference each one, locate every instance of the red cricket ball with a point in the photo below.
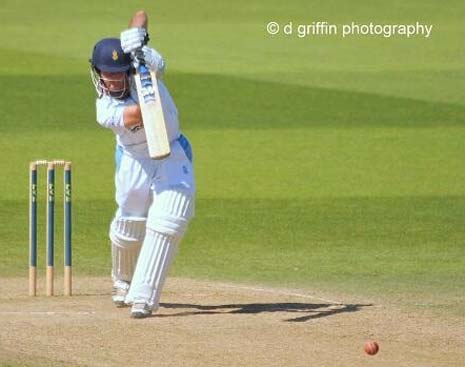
(371, 348)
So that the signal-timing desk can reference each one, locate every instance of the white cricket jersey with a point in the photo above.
(110, 115)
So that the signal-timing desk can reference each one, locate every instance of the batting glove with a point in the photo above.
(133, 39)
(151, 58)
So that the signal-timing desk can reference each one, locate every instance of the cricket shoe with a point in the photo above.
(120, 290)
(141, 309)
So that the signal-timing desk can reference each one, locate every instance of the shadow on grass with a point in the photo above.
(210, 101)
(220, 101)
(306, 311)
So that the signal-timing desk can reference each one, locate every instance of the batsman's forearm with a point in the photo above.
(132, 116)
(140, 20)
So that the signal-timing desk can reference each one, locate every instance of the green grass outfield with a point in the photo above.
(323, 162)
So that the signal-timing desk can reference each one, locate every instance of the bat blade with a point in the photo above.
(152, 113)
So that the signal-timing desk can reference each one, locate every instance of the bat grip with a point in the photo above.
(139, 62)
(143, 69)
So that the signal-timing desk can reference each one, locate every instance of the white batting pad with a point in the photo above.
(171, 211)
(127, 234)
(166, 223)
(124, 260)
(124, 231)
(154, 262)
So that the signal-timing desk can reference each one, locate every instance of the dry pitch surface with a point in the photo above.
(216, 324)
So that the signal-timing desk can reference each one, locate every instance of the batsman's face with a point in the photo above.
(114, 82)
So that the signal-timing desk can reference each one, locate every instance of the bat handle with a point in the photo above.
(143, 70)
(137, 62)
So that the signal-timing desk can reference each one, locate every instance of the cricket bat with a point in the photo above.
(150, 103)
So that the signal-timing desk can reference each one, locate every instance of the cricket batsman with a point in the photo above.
(155, 198)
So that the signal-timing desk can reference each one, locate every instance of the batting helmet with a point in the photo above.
(108, 56)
